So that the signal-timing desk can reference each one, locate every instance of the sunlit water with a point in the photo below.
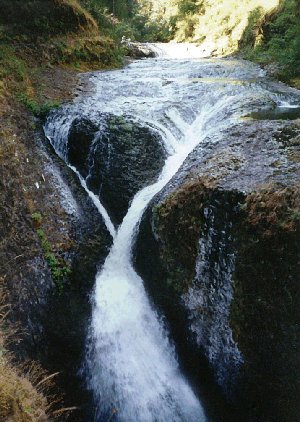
(131, 364)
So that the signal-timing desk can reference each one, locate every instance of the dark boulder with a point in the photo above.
(81, 136)
(221, 242)
(118, 158)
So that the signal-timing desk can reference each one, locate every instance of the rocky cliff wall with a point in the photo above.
(218, 247)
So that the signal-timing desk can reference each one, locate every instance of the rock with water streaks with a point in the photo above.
(117, 157)
(219, 250)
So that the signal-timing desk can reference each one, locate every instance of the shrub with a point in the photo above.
(58, 267)
(39, 110)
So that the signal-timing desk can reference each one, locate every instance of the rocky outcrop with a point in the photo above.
(218, 251)
(137, 50)
(64, 318)
(51, 236)
(52, 241)
(117, 157)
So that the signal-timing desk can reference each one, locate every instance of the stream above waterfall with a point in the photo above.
(131, 364)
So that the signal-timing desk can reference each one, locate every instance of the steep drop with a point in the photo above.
(131, 364)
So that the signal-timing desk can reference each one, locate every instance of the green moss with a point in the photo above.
(59, 269)
(17, 73)
(44, 17)
(178, 222)
(37, 218)
(97, 52)
(11, 65)
(38, 33)
(39, 110)
(265, 314)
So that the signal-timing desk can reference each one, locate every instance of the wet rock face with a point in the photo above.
(265, 312)
(222, 236)
(193, 241)
(209, 296)
(81, 136)
(66, 315)
(118, 157)
(41, 195)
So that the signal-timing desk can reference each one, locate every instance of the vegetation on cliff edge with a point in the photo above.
(42, 42)
(266, 31)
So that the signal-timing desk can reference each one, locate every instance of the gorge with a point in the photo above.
(150, 211)
(196, 193)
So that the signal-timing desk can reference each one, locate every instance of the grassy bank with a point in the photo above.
(43, 46)
(23, 388)
(39, 35)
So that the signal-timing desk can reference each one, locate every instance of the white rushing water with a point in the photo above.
(133, 370)
(174, 50)
(135, 361)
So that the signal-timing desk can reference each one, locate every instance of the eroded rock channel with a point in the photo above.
(203, 208)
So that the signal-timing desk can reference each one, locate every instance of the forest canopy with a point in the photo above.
(266, 31)
(263, 30)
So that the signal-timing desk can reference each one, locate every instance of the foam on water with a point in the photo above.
(131, 364)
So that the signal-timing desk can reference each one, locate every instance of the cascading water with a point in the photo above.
(131, 364)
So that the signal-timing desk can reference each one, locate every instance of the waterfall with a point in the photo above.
(131, 363)
(175, 50)
(133, 368)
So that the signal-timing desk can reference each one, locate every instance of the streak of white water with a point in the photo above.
(95, 199)
(97, 203)
(132, 367)
(286, 104)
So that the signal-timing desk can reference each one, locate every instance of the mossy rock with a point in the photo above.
(118, 156)
(265, 312)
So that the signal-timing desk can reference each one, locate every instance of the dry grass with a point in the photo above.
(274, 208)
(19, 400)
(27, 392)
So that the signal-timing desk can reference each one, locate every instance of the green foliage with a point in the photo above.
(141, 20)
(59, 269)
(101, 14)
(284, 38)
(151, 30)
(188, 7)
(111, 17)
(281, 40)
(252, 29)
(37, 218)
(185, 21)
(39, 110)
(122, 9)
